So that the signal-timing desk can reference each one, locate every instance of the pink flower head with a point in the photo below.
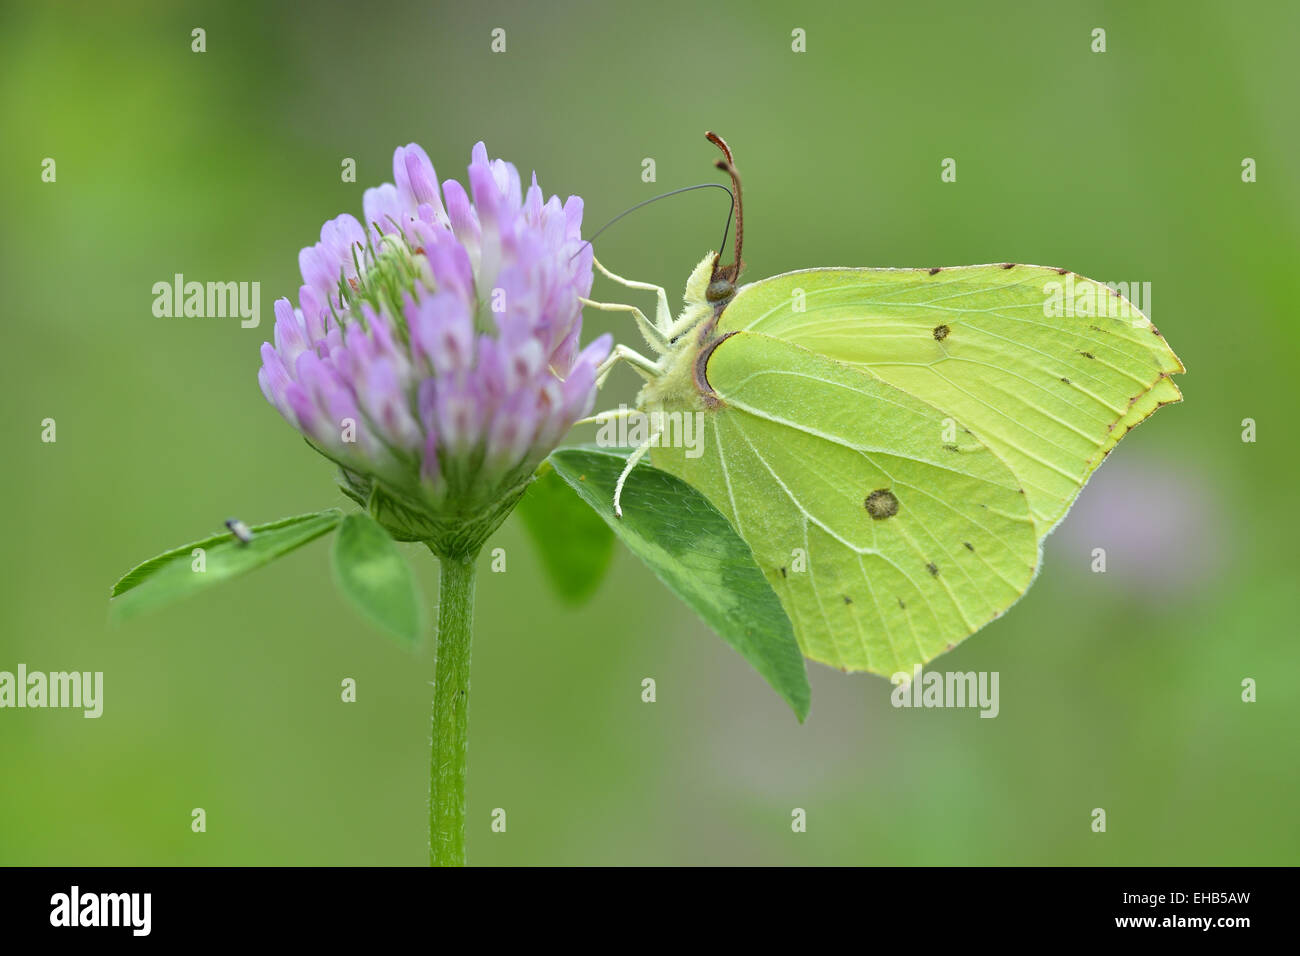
(434, 352)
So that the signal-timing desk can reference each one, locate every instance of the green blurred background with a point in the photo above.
(1118, 690)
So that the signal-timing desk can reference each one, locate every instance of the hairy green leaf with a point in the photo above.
(574, 544)
(693, 549)
(374, 576)
(180, 572)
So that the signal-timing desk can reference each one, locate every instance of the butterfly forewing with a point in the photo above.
(1047, 368)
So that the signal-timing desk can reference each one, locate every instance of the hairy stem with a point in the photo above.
(451, 712)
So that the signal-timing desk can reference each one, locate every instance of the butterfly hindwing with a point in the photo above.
(886, 542)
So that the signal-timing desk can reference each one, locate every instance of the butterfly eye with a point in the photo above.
(718, 290)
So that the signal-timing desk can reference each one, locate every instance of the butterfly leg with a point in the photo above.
(632, 459)
(684, 324)
(601, 417)
(663, 315)
(650, 332)
(646, 368)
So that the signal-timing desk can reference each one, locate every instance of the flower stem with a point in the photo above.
(451, 711)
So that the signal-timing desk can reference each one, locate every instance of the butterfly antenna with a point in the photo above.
(646, 202)
(732, 272)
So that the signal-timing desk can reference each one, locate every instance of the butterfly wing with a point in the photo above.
(886, 543)
(1046, 368)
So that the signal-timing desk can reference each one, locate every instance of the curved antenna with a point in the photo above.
(732, 272)
(646, 202)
